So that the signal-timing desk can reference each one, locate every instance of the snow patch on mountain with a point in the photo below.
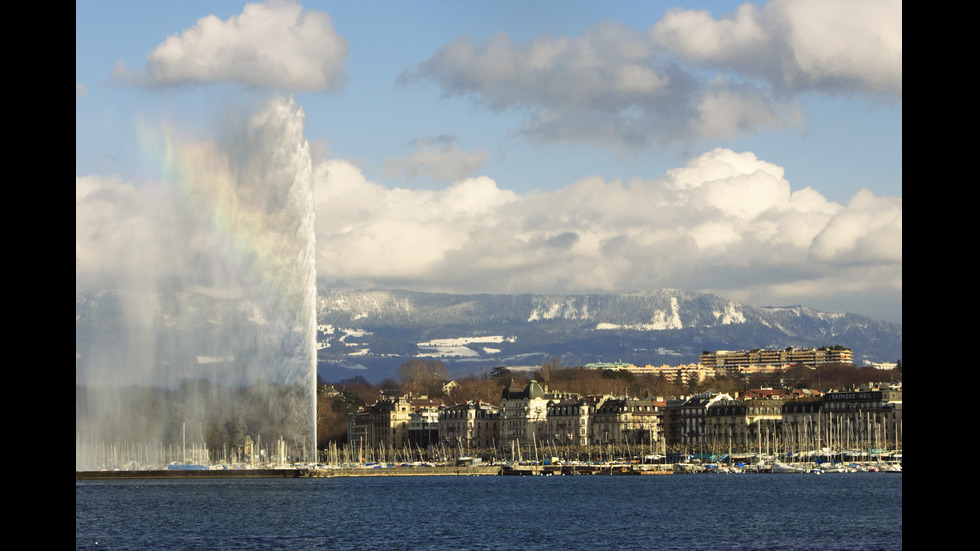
(459, 347)
(731, 314)
(663, 320)
(464, 341)
(565, 308)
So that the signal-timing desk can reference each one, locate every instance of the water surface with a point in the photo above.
(854, 511)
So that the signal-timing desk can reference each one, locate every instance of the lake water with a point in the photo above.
(853, 511)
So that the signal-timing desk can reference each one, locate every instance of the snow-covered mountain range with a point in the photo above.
(375, 331)
(372, 332)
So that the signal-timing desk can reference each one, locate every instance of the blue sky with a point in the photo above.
(752, 150)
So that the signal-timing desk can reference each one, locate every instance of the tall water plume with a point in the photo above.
(196, 300)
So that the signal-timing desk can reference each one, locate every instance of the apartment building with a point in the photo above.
(524, 413)
(470, 425)
(569, 420)
(686, 419)
(386, 423)
(743, 423)
(682, 373)
(872, 414)
(740, 360)
(625, 420)
(423, 428)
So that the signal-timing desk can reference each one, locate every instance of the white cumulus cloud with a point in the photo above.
(796, 45)
(275, 44)
(369, 233)
(868, 231)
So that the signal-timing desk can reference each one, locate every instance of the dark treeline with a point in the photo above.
(428, 377)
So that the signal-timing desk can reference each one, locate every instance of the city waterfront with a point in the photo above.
(854, 511)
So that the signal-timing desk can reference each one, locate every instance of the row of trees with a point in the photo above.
(429, 378)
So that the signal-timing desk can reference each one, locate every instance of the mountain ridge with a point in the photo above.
(669, 326)
(372, 332)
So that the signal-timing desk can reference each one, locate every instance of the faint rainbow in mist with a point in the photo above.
(202, 181)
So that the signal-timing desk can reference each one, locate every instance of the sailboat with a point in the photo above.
(778, 467)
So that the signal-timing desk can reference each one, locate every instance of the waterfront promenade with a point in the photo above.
(483, 470)
(290, 472)
(614, 469)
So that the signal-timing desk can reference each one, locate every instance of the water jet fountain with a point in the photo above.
(204, 328)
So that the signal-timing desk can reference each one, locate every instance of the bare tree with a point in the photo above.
(424, 376)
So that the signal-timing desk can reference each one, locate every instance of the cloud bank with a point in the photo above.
(726, 222)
